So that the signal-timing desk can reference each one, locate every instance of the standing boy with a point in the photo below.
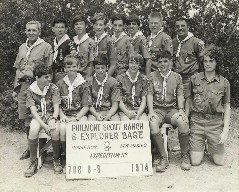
(138, 40)
(166, 105)
(104, 44)
(62, 46)
(85, 46)
(105, 92)
(122, 45)
(158, 41)
(134, 91)
(187, 51)
(34, 50)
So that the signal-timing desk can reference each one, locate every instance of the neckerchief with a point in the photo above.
(82, 40)
(165, 79)
(57, 45)
(181, 42)
(120, 37)
(29, 49)
(78, 81)
(97, 41)
(152, 37)
(136, 35)
(133, 84)
(35, 89)
(101, 90)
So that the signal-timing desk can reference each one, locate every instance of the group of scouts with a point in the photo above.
(121, 77)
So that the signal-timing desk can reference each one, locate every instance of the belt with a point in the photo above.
(207, 116)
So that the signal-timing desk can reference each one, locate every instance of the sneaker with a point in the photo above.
(31, 170)
(57, 166)
(185, 162)
(25, 155)
(163, 165)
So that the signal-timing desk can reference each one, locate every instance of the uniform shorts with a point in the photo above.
(163, 116)
(205, 126)
(23, 111)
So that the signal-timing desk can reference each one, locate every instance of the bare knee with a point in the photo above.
(63, 131)
(218, 159)
(196, 158)
(34, 129)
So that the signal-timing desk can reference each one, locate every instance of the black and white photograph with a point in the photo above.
(119, 95)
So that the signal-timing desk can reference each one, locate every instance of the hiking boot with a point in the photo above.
(31, 170)
(57, 166)
(25, 155)
(163, 165)
(185, 162)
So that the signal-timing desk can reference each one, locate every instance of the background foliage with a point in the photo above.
(214, 21)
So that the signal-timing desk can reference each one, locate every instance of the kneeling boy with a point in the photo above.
(105, 94)
(134, 91)
(166, 105)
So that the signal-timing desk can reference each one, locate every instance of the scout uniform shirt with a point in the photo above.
(186, 58)
(111, 93)
(44, 100)
(105, 47)
(61, 50)
(165, 97)
(126, 90)
(74, 97)
(140, 46)
(157, 44)
(27, 57)
(124, 50)
(86, 52)
(208, 97)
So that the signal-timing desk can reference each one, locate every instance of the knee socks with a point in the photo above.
(56, 149)
(159, 143)
(33, 144)
(184, 142)
(63, 144)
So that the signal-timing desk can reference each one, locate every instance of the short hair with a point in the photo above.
(216, 53)
(58, 20)
(155, 14)
(133, 18)
(182, 19)
(80, 18)
(34, 23)
(41, 69)
(164, 54)
(119, 17)
(69, 60)
(99, 16)
(100, 60)
(135, 57)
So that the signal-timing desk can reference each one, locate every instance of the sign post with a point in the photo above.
(101, 149)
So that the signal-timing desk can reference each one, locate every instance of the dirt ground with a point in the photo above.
(206, 177)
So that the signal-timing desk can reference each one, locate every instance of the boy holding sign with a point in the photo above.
(166, 105)
(134, 91)
(75, 97)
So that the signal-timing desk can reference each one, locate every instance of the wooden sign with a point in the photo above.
(108, 149)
